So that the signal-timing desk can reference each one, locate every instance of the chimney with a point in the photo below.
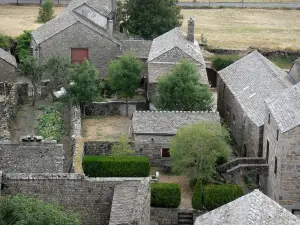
(191, 30)
(113, 5)
(110, 27)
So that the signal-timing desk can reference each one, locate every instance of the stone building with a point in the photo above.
(281, 147)
(8, 66)
(31, 157)
(242, 89)
(294, 73)
(152, 130)
(251, 209)
(168, 50)
(84, 30)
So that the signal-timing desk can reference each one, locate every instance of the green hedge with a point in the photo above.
(220, 63)
(116, 166)
(218, 195)
(197, 199)
(165, 195)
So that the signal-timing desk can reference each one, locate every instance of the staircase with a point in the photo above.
(185, 218)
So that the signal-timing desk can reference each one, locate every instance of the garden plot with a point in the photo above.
(105, 128)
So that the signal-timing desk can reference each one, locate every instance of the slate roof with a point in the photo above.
(254, 208)
(285, 108)
(67, 18)
(175, 38)
(168, 122)
(6, 56)
(140, 48)
(253, 79)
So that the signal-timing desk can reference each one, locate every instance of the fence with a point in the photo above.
(33, 2)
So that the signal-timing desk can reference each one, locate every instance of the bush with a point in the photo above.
(51, 124)
(165, 195)
(197, 199)
(23, 45)
(4, 41)
(221, 159)
(46, 12)
(116, 166)
(218, 195)
(220, 63)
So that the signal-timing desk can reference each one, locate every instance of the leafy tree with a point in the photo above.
(57, 69)
(23, 45)
(195, 149)
(84, 86)
(24, 210)
(181, 90)
(221, 63)
(31, 69)
(151, 18)
(124, 76)
(122, 147)
(46, 12)
(4, 41)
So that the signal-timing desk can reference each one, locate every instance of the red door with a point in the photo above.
(78, 55)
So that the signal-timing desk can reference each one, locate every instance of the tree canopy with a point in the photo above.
(150, 18)
(124, 76)
(181, 90)
(196, 148)
(46, 12)
(84, 87)
(123, 147)
(24, 210)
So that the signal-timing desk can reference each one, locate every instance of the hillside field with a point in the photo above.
(224, 28)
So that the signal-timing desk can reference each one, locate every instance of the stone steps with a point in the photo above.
(185, 218)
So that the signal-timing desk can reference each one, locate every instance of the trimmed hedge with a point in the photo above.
(165, 195)
(116, 166)
(197, 199)
(221, 63)
(218, 195)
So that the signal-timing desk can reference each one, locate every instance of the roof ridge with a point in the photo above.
(252, 211)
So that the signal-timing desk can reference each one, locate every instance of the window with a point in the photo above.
(245, 151)
(277, 135)
(227, 109)
(267, 155)
(233, 117)
(269, 118)
(165, 152)
(78, 55)
(224, 87)
(296, 212)
(275, 167)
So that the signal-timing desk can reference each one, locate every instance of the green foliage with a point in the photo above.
(24, 210)
(46, 12)
(4, 41)
(195, 148)
(220, 62)
(218, 195)
(151, 18)
(116, 166)
(221, 159)
(122, 147)
(85, 84)
(181, 90)
(197, 199)
(203, 40)
(166, 195)
(51, 124)
(23, 45)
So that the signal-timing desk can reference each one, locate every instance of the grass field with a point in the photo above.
(283, 1)
(225, 28)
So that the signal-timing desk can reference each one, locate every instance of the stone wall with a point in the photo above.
(239, 161)
(114, 108)
(7, 71)
(91, 198)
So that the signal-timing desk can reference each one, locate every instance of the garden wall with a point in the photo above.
(91, 198)
(114, 108)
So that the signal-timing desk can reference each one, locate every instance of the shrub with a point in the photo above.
(122, 147)
(4, 41)
(23, 45)
(46, 12)
(165, 195)
(50, 124)
(220, 63)
(218, 195)
(116, 166)
(197, 199)
(221, 159)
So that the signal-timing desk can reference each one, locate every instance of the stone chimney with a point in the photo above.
(110, 27)
(191, 30)
(113, 5)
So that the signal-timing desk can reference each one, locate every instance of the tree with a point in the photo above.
(122, 148)
(181, 90)
(84, 86)
(4, 41)
(57, 70)
(197, 199)
(124, 76)
(31, 69)
(24, 210)
(151, 18)
(46, 12)
(195, 149)
(23, 45)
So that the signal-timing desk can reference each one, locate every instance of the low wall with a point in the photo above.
(240, 161)
(114, 108)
